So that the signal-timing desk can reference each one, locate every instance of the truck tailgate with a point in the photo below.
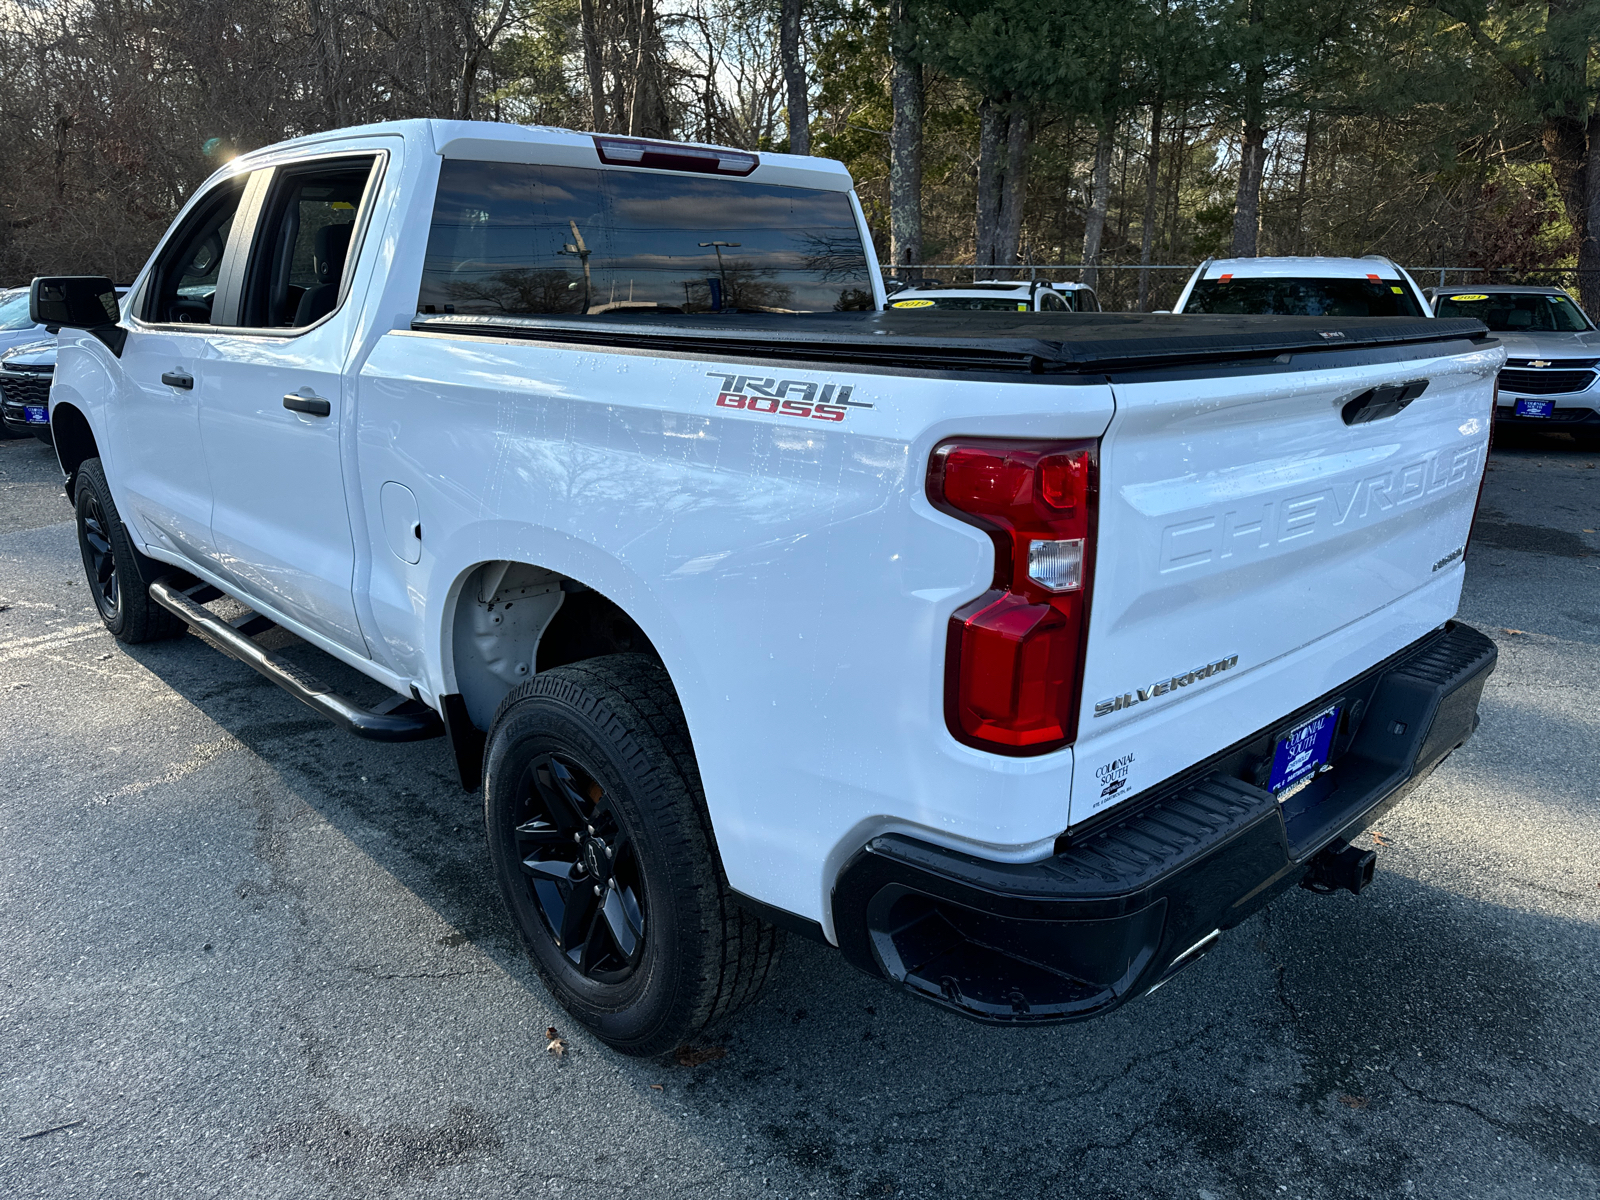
(1248, 531)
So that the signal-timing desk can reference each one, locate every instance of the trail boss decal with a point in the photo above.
(1104, 708)
(786, 397)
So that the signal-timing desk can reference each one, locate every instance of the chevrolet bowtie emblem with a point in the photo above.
(1539, 362)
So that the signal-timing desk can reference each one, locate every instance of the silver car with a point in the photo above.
(1549, 379)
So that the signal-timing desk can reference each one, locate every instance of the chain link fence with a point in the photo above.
(1117, 284)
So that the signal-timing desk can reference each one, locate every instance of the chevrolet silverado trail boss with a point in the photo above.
(1016, 655)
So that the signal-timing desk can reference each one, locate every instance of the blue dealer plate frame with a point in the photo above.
(36, 414)
(1535, 408)
(1302, 750)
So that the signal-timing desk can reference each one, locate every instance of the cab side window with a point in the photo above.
(184, 284)
(303, 251)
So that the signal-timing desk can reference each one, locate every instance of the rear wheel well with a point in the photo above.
(74, 441)
(513, 620)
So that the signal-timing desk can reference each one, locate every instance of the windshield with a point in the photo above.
(1517, 312)
(14, 310)
(963, 303)
(1305, 297)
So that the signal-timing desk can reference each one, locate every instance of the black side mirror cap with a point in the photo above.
(87, 302)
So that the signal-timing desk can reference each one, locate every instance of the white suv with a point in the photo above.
(1373, 286)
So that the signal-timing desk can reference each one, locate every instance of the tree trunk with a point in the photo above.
(1589, 238)
(328, 42)
(1247, 201)
(1569, 145)
(593, 67)
(1300, 188)
(905, 145)
(1252, 142)
(1147, 231)
(1014, 188)
(991, 129)
(794, 77)
(1094, 225)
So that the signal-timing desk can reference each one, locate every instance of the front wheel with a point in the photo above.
(112, 565)
(599, 837)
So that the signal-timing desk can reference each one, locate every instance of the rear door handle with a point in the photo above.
(312, 406)
(178, 379)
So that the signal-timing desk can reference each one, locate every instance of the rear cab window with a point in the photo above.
(1304, 297)
(513, 239)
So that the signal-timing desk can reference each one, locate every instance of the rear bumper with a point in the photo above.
(1124, 905)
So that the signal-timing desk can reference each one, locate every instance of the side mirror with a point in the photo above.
(87, 302)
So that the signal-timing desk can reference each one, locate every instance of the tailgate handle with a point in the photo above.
(1375, 404)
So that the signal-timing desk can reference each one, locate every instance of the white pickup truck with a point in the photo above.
(1015, 654)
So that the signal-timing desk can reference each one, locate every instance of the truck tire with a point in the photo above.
(600, 837)
(113, 566)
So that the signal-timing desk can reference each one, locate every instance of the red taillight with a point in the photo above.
(1014, 663)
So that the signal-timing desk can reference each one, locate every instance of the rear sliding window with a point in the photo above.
(509, 239)
(1304, 298)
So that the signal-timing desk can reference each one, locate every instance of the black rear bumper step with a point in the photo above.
(400, 719)
(1117, 911)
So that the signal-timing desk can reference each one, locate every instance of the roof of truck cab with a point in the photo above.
(500, 141)
(1301, 267)
(1028, 342)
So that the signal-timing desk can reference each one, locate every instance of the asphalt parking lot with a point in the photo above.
(244, 954)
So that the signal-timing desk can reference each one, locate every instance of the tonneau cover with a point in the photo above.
(995, 341)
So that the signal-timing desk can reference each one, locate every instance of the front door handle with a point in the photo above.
(178, 379)
(312, 406)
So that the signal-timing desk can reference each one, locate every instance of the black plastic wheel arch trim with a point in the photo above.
(407, 721)
(1120, 909)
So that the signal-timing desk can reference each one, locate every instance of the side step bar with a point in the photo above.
(398, 720)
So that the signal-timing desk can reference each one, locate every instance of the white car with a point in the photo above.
(996, 295)
(1016, 659)
(1303, 287)
(1550, 378)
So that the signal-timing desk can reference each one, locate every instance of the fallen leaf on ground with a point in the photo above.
(1379, 840)
(694, 1056)
(1523, 632)
(550, 1033)
(556, 1046)
(655, 1087)
(1354, 1101)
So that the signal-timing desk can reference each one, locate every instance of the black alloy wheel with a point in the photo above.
(115, 570)
(581, 869)
(601, 842)
(99, 557)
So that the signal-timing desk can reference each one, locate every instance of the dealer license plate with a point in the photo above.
(1302, 750)
(1535, 408)
(36, 414)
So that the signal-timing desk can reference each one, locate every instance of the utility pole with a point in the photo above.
(578, 250)
(722, 271)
